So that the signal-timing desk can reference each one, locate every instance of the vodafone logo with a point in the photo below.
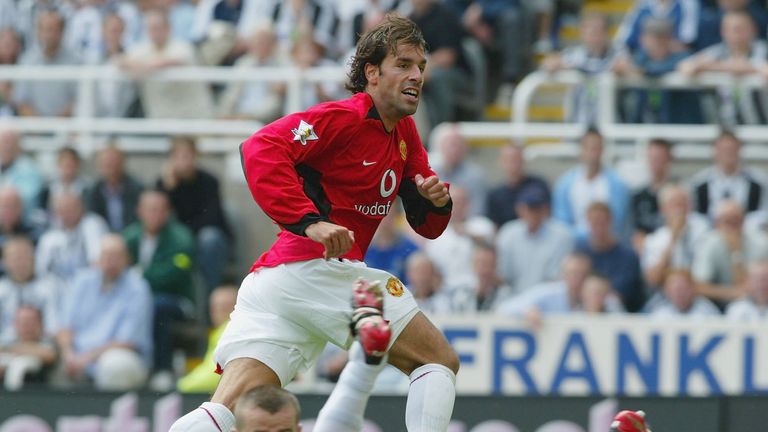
(387, 187)
(388, 183)
(375, 209)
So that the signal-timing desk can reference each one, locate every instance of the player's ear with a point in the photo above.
(372, 73)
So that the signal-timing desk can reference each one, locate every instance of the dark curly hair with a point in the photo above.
(374, 46)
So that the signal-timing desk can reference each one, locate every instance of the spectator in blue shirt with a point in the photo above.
(589, 182)
(502, 199)
(655, 57)
(612, 259)
(390, 248)
(107, 323)
(683, 14)
(20, 171)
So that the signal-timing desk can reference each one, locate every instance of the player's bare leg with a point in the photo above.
(423, 353)
(345, 407)
(239, 376)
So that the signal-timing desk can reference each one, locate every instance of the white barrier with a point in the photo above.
(86, 124)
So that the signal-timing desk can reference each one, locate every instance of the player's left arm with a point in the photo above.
(425, 197)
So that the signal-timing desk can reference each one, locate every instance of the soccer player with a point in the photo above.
(269, 409)
(328, 176)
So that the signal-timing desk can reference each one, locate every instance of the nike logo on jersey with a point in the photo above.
(304, 133)
(366, 163)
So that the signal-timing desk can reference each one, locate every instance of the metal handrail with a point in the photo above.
(87, 125)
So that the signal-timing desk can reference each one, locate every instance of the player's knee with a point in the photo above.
(448, 358)
(452, 361)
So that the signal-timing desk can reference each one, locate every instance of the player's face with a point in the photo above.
(396, 88)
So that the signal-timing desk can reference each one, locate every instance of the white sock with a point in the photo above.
(345, 407)
(430, 399)
(208, 417)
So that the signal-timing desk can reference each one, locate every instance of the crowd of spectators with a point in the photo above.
(684, 245)
(105, 269)
(96, 273)
(657, 37)
(143, 37)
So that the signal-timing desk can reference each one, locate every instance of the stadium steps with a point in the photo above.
(548, 102)
(609, 7)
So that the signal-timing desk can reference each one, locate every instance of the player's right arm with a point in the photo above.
(270, 158)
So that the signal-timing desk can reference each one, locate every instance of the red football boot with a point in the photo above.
(630, 421)
(368, 324)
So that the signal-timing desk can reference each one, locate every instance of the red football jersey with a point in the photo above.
(336, 162)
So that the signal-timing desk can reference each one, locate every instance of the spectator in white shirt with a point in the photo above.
(257, 100)
(452, 251)
(29, 356)
(164, 99)
(558, 297)
(21, 286)
(113, 97)
(754, 306)
(73, 243)
(425, 282)
(740, 53)
(47, 98)
(672, 245)
(720, 262)
(681, 299)
(489, 290)
(453, 165)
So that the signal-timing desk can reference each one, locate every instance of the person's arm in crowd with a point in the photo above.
(74, 364)
(738, 66)
(46, 353)
(135, 329)
(553, 62)
(534, 318)
(26, 110)
(140, 68)
(655, 273)
(698, 62)
(624, 65)
(22, 97)
(689, 24)
(628, 33)
(555, 262)
(720, 292)
(67, 111)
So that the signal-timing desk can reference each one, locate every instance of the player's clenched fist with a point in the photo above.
(336, 239)
(433, 189)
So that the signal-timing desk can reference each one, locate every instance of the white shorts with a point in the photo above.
(285, 315)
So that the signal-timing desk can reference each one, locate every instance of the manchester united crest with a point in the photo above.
(403, 149)
(395, 287)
